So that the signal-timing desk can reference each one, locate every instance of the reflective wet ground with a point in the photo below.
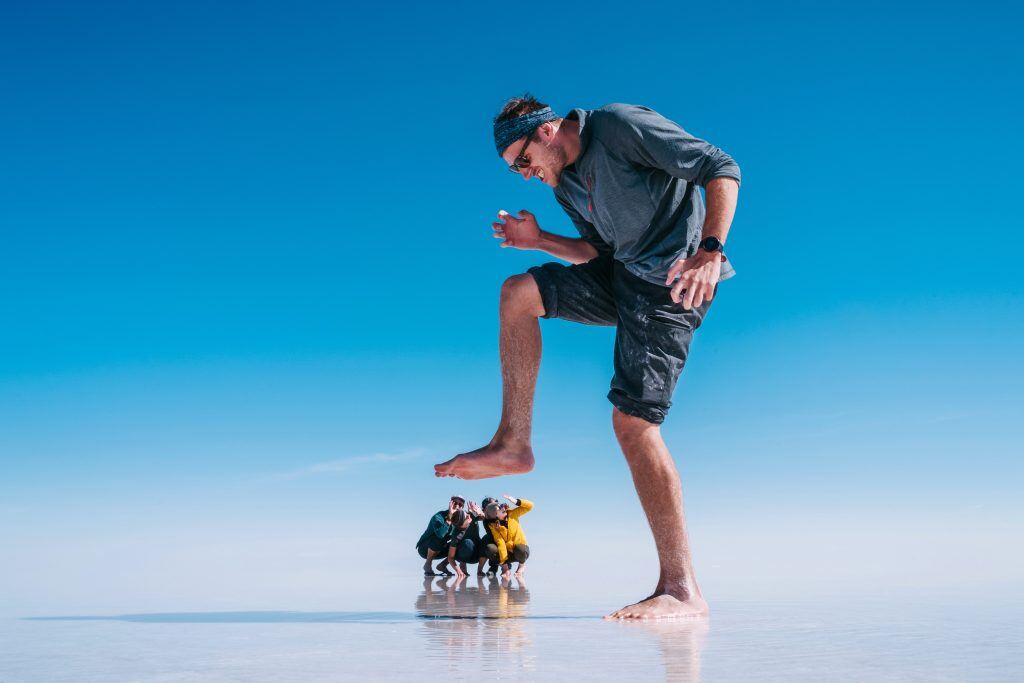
(518, 631)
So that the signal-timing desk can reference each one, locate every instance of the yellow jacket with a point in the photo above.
(508, 537)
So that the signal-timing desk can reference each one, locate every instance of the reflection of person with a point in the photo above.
(433, 541)
(648, 261)
(509, 539)
(487, 599)
(465, 619)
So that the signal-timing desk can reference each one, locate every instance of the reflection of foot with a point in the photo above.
(663, 607)
(493, 460)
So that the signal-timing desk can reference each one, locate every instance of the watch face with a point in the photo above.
(710, 244)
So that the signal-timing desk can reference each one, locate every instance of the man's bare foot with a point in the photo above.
(663, 606)
(493, 460)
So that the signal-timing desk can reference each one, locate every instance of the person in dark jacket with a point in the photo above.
(463, 543)
(434, 540)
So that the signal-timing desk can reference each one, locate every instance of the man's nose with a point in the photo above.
(525, 172)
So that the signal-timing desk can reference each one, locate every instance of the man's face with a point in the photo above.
(546, 158)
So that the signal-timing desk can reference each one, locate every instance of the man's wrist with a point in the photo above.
(544, 241)
(712, 244)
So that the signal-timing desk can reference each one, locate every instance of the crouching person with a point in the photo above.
(433, 543)
(509, 541)
(465, 545)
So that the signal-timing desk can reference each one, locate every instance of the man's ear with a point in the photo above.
(546, 131)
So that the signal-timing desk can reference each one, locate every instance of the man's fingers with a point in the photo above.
(683, 284)
(698, 298)
(673, 272)
(700, 294)
(677, 290)
(523, 213)
(710, 293)
(695, 295)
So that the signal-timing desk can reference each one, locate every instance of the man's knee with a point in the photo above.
(491, 552)
(520, 293)
(628, 426)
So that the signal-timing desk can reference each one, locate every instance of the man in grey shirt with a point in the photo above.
(648, 261)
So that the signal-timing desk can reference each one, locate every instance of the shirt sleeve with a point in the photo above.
(439, 527)
(524, 506)
(648, 138)
(584, 227)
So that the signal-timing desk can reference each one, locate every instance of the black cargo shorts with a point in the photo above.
(653, 332)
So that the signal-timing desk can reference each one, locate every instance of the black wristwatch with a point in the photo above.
(711, 243)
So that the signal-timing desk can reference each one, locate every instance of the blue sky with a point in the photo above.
(249, 289)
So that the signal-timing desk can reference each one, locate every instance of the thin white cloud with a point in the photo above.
(329, 467)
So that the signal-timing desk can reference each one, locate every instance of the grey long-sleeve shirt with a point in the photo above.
(633, 188)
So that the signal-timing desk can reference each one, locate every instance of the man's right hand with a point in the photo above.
(521, 232)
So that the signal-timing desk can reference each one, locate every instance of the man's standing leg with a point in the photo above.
(657, 483)
(652, 343)
(510, 452)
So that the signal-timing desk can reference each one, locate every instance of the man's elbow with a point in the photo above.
(721, 165)
(587, 252)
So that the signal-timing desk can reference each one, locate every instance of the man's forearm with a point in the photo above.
(573, 250)
(721, 195)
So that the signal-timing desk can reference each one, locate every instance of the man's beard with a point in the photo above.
(555, 161)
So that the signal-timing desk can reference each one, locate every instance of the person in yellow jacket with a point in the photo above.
(509, 540)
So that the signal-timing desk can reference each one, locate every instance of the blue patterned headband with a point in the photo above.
(508, 131)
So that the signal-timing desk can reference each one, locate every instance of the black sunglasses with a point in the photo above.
(522, 161)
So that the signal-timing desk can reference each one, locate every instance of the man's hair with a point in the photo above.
(517, 106)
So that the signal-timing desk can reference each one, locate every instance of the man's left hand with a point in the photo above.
(697, 275)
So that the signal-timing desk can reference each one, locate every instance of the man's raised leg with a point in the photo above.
(657, 483)
(509, 452)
